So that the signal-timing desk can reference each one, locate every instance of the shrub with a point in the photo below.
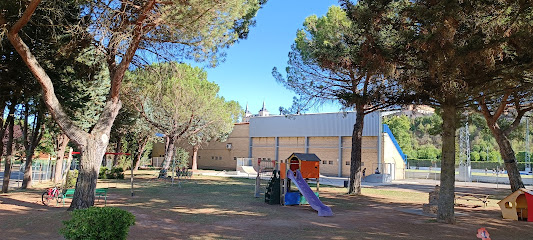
(72, 177)
(116, 173)
(102, 173)
(113, 173)
(98, 223)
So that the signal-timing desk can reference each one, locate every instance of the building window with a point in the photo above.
(362, 164)
(348, 163)
(324, 162)
(212, 157)
(268, 159)
(235, 158)
(199, 156)
(220, 158)
(330, 162)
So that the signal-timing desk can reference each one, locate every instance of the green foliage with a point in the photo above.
(180, 102)
(400, 128)
(428, 152)
(175, 29)
(113, 173)
(102, 174)
(72, 178)
(341, 57)
(494, 156)
(483, 156)
(182, 158)
(98, 223)
(474, 156)
(521, 156)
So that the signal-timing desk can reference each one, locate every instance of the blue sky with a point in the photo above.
(246, 74)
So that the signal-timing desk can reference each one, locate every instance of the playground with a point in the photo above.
(211, 207)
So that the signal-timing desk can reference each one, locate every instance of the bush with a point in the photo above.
(72, 177)
(98, 223)
(423, 162)
(102, 173)
(114, 173)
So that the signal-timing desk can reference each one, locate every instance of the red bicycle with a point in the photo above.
(52, 194)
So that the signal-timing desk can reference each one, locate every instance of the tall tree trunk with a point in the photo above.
(506, 149)
(140, 151)
(91, 159)
(195, 157)
(67, 169)
(3, 127)
(447, 175)
(509, 158)
(62, 143)
(9, 153)
(169, 152)
(27, 180)
(30, 143)
(118, 149)
(355, 162)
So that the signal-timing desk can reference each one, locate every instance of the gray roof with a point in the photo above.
(312, 125)
(306, 157)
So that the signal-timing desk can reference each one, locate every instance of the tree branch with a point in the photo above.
(49, 97)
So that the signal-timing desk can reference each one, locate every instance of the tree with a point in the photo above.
(169, 29)
(215, 125)
(452, 52)
(400, 127)
(9, 126)
(517, 102)
(31, 135)
(342, 57)
(180, 102)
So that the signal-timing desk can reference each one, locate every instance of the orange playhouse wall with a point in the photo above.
(309, 169)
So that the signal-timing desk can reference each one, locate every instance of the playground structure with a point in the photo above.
(516, 205)
(265, 169)
(298, 169)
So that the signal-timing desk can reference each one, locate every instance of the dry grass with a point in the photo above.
(224, 208)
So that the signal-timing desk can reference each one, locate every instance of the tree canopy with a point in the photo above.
(180, 102)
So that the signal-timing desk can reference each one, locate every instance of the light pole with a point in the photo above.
(527, 158)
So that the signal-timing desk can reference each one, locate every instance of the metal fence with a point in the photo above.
(496, 176)
(41, 171)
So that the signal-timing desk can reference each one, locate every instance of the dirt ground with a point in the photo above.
(224, 208)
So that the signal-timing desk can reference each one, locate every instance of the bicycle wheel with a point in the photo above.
(59, 198)
(47, 198)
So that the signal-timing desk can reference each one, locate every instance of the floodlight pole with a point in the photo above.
(528, 163)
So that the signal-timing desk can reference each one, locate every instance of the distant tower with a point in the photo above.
(247, 113)
(263, 112)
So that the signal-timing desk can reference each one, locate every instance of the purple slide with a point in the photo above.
(312, 199)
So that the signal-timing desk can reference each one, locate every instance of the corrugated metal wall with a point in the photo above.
(312, 125)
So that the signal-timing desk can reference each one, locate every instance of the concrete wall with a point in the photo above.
(333, 150)
(326, 148)
(391, 155)
(215, 155)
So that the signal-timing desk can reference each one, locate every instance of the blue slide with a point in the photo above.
(312, 199)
